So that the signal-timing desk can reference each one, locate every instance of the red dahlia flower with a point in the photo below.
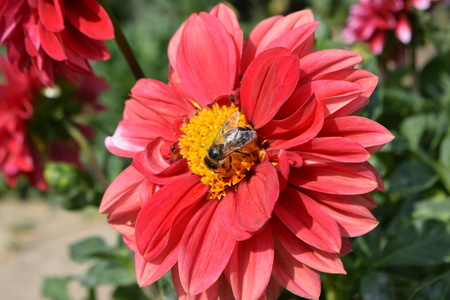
(369, 21)
(17, 92)
(57, 37)
(28, 132)
(277, 211)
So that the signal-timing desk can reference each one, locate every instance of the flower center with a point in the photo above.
(213, 149)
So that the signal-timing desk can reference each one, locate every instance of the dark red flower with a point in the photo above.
(27, 118)
(57, 37)
(370, 21)
(280, 209)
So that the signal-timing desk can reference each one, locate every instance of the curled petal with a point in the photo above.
(256, 197)
(332, 149)
(51, 44)
(119, 196)
(211, 293)
(199, 60)
(227, 209)
(51, 14)
(317, 259)
(326, 61)
(335, 94)
(295, 276)
(133, 136)
(155, 220)
(308, 221)
(365, 79)
(90, 18)
(250, 266)
(160, 98)
(205, 250)
(351, 213)
(338, 178)
(368, 133)
(153, 163)
(267, 84)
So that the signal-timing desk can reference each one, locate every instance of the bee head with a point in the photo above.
(213, 152)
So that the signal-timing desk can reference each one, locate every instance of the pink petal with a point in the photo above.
(421, 4)
(90, 18)
(332, 148)
(250, 266)
(228, 18)
(295, 276)
(365, 79)
(317, 259)
(172, 49)
(227, 209)
(346, 246)
(349, 212)
(267, 84)
(335, 94)
(206, 59)
(295, 40)
(377, 42)
(403, 29)
(155, 221)
(120, 196)
(51, 14)
(308, 221)
(256, 196)
(253, 40)
(153, 163)
(160, 98)
(326, 61)
(368, 133)
(51, 44)
(133, 136)
(311, 125)
(205, 250)
(341, 179)
(148, 271)
(273, 289)
(211, 293)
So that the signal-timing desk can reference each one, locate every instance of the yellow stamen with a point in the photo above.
(200, 133)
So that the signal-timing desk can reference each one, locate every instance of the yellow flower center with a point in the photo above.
(200, 133)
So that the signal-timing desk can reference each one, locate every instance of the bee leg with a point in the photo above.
(240, 152)
(230, 164)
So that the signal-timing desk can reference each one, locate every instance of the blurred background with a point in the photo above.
(54, 245)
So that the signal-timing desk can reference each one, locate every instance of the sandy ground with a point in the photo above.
(34, 240)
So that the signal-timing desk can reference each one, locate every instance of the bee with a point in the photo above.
(229, 139)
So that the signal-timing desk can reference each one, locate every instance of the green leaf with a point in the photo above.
(444, 151)
(376, 286)
(92, 247)
(131, 292)
(412, 177)
(108, 273)
(436, 289)
(413, 128)
(56, 288)
(423, 245)
(438, 209)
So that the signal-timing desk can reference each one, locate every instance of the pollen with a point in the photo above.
(198, 136)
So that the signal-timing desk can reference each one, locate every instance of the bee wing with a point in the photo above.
(236, 139)
(230, 124)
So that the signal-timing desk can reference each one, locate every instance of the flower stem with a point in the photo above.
(123, 44)
(75, 133)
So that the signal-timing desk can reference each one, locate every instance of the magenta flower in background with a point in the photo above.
(282, 208)
(371, 20)
(57, 37)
